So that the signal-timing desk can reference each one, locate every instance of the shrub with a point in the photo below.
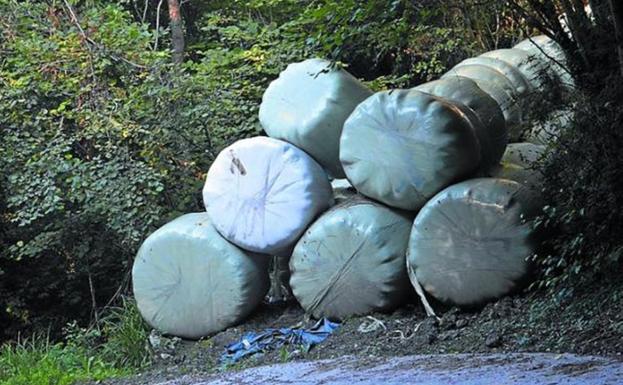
(583, 187)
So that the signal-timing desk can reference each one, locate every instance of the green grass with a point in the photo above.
(39, 362)
(119, 348)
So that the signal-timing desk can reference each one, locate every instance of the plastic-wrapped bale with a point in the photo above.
(352, 261)
(307, 106)
(401, 147)
(552, 53)
(518, 164)
(190, 282)
(524, 154)
(262, 193)
(494, 136)
(496, 85)
(520, 84)
(531, 66)
(470, 243)
(544, 132)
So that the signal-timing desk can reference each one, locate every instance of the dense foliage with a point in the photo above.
(102, 138)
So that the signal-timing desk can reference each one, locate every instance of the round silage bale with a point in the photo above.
(494, 135)
(524, 154)
(307, 106)
(531, 66)
(190, 282)
(546, 131)
(262, 193)
(351, 261)
(496, 85)
(401, 147)
(552, 53)
(519, 82)
(470, 243)
(519, 164)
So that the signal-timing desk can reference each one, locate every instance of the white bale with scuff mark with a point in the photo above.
(262, 193)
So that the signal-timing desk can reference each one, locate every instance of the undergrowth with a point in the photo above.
(117, 348)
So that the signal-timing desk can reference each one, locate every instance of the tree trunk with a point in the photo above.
(177, 31)
(616, 6)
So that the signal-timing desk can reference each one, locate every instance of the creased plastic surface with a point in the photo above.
(307, 106)
(401, 147)
(492, 133)
(531, 66)
(496, 85)
(352, 261)
(469, 244)
(519, 82)
(551, 53)
(262, 193)
(190, 282)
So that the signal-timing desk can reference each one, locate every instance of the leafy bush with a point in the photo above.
(583, 187)
(102, 139)
(37, 361)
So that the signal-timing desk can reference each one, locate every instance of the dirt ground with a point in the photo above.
(588, 323)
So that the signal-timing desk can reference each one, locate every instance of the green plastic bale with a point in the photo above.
(401, 147)
(307, 106)
(351, 261)
(190, 282)
(493, 134)
(470, 243)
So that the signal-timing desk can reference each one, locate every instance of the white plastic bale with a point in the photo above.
(552, 53)
(521, 85)
(190, 282)
(493, 136)
(401, 147)
(351, 261)
(262, 193)
(470, 243)
(531, 66)
(497, 86)
(307, 106)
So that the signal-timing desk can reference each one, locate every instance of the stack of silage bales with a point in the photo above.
(405, 153)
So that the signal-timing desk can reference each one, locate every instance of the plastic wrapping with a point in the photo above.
(190, 282)
(352, 261)
(523, 154)
(469, 244)
(307, 106)
(493, 136)
(531, 66)
(496, 85)
(551, 53)
(401, 147)
(519, 164)
(342, 190)
(262, 193)
(546, 131)
(520, 84)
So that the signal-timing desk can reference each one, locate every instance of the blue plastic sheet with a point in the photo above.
(270, 339)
